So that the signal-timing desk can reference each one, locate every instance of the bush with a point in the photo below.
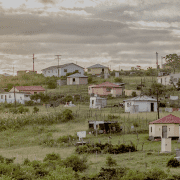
(76, 163)
(134, 94)
(67, 115)
(118, 80)
(173, 163)
(110, 161)
(35, 109)
(52, 157)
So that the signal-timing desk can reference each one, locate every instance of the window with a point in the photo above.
(92, 101)
(128, 104)
(65, 70)
(74, 79)
(20, 98)
(151, 129)
(9, 95)
(108, 89)
(1, 96)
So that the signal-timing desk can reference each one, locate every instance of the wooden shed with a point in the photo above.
(166, 127)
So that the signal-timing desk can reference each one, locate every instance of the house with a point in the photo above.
(169, 80)
(77, 79)
(166, 127)
(98, 102)
(28, 89)
(105, 89)
(144, 103)
(62, 70)
(19, 96)
(97, 69)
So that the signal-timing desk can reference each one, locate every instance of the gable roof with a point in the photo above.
(30, 88)
(106, 84)
(96, 66)
(141, 98)
(77, 75)
(169, 119)
(61, 66)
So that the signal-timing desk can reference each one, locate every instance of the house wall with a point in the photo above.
(61, 82)
(144, 106)
(116, 91)
(164, 80)
(20, 97)
(98, 71)
(103, 91)
(32, 92)
(129, 92)
(97, 102)
(83, 80)
(172, 130)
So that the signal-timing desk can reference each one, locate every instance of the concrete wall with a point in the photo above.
(97, 71)
(172, 130)
(144, 106)
(103, 91)
(129, 92)
(78, 81)
(20, 97)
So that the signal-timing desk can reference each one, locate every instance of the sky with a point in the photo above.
(119, 34)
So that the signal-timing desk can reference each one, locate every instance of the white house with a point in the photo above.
(166, 127)
(98, 102)
(9, 97)
(144, 103)
(77, 79)
(168, 80)
(63, 69)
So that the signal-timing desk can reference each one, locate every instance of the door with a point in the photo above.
(164, 132)
(152, 107)
(5, 98)
(103, 70)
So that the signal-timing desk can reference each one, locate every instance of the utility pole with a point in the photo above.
(157, 103)
(58, 63)
(14, 97)
(33, 62)
(157, 62)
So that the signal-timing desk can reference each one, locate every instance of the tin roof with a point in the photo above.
(169, 119)
(142, 98)
(30, 88)
(97, 66)
(60, 66)
(77, 75)
(106, 84)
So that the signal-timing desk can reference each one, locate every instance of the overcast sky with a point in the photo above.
(116, 33)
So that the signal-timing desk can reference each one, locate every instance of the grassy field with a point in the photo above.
(25, 142)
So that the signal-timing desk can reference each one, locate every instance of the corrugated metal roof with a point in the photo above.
(169, 119)
(106, 84)
(77, 75)
(96, 66)
(142, 98)
(61, 66)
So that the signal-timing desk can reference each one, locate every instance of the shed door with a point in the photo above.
(152, 107)
(164, 132)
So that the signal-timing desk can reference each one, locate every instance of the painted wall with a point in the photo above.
(32, 92)
(172, 130)
(9, 97)
(97, 71)
(70, 68)
(78, 81)
(104, 92)
(144, 106)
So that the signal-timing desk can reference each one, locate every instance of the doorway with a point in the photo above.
(164, 131)
(152, 107)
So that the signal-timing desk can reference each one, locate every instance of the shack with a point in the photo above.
(98, 102)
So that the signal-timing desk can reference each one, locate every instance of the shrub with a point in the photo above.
(76, 163)
(52, 157)
(35, 109)
(110, 161)
(118, 80)
(173, 163)
(22, 109)
(67, 115)
(134, 94)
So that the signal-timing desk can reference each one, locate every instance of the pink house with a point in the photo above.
(28, 89)
(106, 88)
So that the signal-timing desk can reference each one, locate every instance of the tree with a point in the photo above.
(173, 60)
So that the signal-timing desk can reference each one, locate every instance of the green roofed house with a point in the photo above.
(97, 69)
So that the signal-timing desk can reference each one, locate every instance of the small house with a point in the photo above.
(28, 89)
(77, 79)
(166, 127)
(98, 102)
(62, 70)
(144, 103)
(97, 69)
(105, 89)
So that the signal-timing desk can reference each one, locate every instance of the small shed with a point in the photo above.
(145, 104)
(98, 102)
(102, 126)
(166, 127)
(77, 79)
